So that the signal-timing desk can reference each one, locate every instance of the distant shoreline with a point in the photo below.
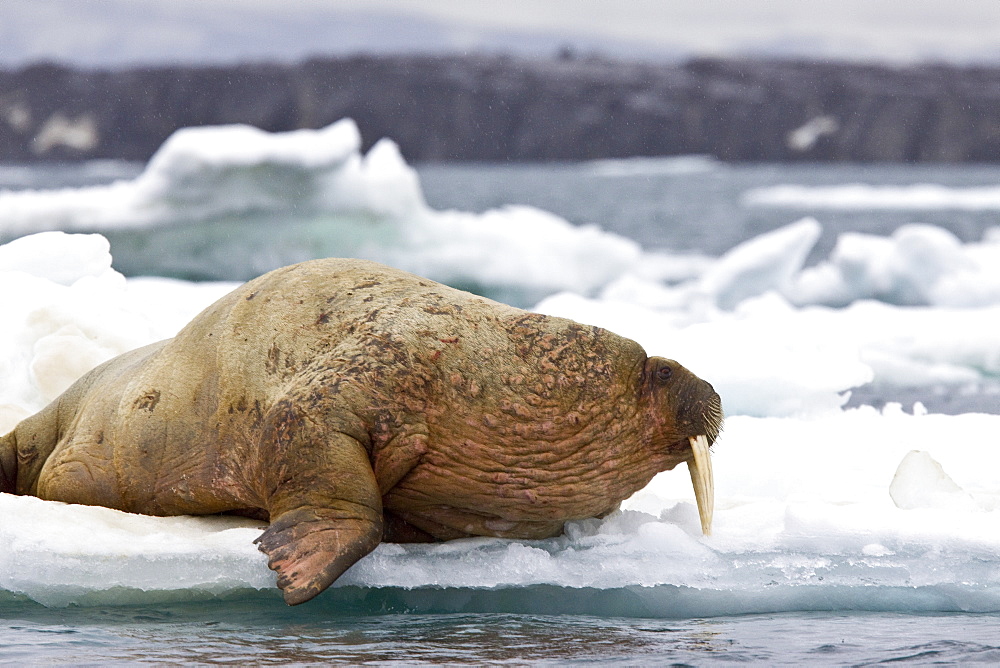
(505, 108)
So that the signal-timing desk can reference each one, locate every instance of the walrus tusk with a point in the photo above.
(700, 467)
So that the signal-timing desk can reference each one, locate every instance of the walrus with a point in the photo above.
(348, 403)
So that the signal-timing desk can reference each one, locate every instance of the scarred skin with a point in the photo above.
(350, 403)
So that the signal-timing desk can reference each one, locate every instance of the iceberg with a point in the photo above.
(285, 197)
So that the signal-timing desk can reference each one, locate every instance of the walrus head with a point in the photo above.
(685, 415)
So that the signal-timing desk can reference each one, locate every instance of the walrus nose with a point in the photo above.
(702, 412)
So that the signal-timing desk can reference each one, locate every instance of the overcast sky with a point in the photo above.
(117, 32)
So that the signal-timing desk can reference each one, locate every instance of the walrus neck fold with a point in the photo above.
(8, 463)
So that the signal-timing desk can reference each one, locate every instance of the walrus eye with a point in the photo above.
(663, 373)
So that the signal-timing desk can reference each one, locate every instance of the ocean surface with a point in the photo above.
(836, 350)
(263, 632)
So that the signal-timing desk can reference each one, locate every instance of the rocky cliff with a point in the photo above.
(500, 108)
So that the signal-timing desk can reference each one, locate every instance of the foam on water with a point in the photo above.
(916, 197)
(817, 507)
(644, 166)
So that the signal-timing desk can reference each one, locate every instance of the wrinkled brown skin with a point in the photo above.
(350, 403)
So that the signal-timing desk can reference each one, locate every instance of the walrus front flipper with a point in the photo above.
(309, 548)
(324, 517)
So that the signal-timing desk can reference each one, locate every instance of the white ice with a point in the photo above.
(918, 265)
(818, 507)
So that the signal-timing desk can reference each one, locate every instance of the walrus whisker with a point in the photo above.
(702, 478)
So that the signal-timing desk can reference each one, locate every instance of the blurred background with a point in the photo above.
(122, 32)
(554, 80)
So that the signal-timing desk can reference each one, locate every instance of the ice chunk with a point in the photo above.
(65, 310)
(57, 256)
(198, 173)
(57, 553)
(767, 262)
(904, 269)
(920, 482)
(513, 246)
(379, 183)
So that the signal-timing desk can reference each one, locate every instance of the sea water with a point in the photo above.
(249, 632)
(847, 315)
